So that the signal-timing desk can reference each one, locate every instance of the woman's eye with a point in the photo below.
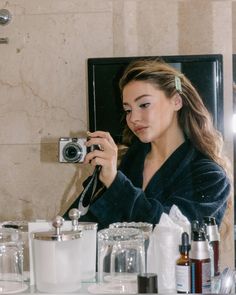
(127, 111)
(144, 105)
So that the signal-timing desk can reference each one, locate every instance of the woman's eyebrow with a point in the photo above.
(137, 98)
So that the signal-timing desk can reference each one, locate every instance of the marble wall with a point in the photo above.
(43, 82)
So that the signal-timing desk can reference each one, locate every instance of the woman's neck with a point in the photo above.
(161, 149)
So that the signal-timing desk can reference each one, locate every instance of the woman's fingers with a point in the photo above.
(98, 143)
(92, 155)
(101, 134)
(103, 141)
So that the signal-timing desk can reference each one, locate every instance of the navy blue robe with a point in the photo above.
(188, 179)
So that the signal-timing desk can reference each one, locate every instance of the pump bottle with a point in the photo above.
(200, 263)
(214, 242)
(183, 281)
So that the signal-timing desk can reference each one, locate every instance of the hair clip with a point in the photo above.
(178, 85)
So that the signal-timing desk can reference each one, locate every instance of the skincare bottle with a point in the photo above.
(214, 242)
(195, 226)
(200, 263)
(182, 270)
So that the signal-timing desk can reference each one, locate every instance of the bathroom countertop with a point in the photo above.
(82, 291)
(96, 288)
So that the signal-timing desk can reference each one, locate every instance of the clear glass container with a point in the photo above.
(121, 254)
(145, 227)
(121, 257)
(11, 261)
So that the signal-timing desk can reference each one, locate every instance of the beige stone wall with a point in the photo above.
(43, 86)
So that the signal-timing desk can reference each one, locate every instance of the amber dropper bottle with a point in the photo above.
(183, 279)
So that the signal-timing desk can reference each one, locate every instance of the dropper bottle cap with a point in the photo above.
(185, 246)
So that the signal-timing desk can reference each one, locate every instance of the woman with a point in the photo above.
(174, 157)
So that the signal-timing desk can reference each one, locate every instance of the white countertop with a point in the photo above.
(33, 290)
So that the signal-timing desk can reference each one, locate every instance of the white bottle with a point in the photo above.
(200, 263)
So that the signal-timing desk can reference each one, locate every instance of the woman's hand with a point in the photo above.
(106, 156)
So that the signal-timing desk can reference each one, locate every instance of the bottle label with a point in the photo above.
(183, 278)
(200, 277)
(206, 278)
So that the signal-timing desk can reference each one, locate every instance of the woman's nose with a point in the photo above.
(134, 116)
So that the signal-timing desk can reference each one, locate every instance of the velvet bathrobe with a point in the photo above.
(188, 179)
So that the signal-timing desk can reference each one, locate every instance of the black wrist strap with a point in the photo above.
(89, 191)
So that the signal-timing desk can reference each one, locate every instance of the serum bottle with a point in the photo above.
(182, 270)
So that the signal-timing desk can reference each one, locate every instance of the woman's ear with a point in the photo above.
(177, 101)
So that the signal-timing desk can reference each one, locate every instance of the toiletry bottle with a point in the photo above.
(182, 270)
(214, 242)
(200, 263)
(195, 226)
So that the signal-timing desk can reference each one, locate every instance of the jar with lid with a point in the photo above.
(57, 257)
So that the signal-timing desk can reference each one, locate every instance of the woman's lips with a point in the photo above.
(139, 129)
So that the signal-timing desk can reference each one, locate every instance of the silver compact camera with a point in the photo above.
(72, 150)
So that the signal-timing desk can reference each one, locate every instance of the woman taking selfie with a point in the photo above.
(174, 156)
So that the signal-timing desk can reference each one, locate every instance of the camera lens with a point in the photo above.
(72, 152)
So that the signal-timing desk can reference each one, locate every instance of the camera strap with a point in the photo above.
(89, 191)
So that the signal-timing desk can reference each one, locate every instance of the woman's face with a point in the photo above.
(150, 115)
